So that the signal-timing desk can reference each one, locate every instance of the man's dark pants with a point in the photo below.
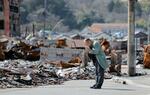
(99, 74)
(99, 71)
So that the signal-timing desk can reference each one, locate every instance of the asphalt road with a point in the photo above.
(80, 87)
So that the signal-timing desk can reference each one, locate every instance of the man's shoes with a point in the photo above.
(95, 87)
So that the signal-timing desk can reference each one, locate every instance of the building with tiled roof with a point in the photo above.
(114, 29)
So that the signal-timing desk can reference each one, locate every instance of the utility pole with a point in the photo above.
(131, 38)
(45, 9)
(57, 25)
(148, 39)
(26, 33)
(33, 29)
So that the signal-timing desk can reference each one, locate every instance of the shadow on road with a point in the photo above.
(119, 89)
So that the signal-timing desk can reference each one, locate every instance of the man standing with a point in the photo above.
(99, 59)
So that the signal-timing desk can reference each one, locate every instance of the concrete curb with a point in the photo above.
(128, 81)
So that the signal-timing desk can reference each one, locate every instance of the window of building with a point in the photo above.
(14, 2)
(1, 5)
(14, 9)
(14, 27)
(1, 24)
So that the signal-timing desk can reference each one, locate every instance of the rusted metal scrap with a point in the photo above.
(74, 62)
(2, 55)
(21, 50)
(116, 60)
(147, 56)
(12, 49)
(60, 43)
(62, 64)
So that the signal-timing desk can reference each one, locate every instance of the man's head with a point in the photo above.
(88, 42)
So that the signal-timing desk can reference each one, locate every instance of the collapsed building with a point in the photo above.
(9, 17)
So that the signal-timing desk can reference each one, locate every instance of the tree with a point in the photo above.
(145, 6)
(138, 9)
(34, 9)
(76, 14)
(110, 6)
(141, 23)
(59, 8)
(120, 7)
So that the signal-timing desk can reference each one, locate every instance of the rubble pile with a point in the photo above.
(23, 74)
(21, 66)
(77, 73)
(19, 74)
(17, 49)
